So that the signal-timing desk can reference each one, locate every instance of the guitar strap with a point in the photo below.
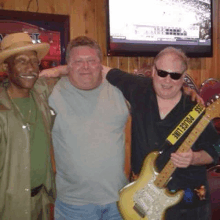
(185, 124)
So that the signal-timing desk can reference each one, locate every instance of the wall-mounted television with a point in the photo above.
(144, 27)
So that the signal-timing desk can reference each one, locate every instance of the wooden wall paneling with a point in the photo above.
(204, 69)
(32, 6)
(100, 14)
(41, 6)
(61, 7)
(113, 61)
(142, 61)
(4, 4)
(48, 6)
(77, 18)
(145, 62)
(207, 69)
(14, 5)
(90, 19)
(123, 63)
(194, 70)
(133, 64)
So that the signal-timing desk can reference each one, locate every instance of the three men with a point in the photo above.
(27, 185)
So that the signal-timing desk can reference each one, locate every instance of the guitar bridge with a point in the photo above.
(139, 210)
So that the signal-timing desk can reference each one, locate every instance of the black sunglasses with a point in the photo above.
(163, 73)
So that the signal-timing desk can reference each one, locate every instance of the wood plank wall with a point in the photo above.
(87, 17)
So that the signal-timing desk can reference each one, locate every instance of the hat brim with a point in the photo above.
(42, 49)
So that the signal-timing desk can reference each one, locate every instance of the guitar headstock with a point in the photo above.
(213, 107)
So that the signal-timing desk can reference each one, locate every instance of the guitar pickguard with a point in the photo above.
(151, 201)
(143, 199)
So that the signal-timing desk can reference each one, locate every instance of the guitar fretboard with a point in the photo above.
(164, 176)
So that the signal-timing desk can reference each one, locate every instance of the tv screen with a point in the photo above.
(144, 27)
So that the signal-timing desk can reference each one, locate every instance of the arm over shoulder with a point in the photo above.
(127, 83)
(46, 85)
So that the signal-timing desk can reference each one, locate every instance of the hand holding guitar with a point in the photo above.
(182, 160)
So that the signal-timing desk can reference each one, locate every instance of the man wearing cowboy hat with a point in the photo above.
(26, 176)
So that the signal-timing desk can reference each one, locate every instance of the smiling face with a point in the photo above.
(166, 87)
(23, 71)
(84, 68)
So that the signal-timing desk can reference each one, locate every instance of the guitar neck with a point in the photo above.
(164, 176)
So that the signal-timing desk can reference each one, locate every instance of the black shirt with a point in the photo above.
(149, 131)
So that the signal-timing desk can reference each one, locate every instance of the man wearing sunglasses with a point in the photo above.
(157, 107)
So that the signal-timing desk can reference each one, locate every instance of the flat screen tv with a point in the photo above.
(144, 27)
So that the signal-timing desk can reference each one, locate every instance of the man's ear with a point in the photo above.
(153, 71)
(5, 67)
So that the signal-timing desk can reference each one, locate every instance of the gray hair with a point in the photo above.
(173, 50)
(83, 41)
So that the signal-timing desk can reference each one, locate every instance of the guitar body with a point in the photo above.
(142, 199)
(147, 198)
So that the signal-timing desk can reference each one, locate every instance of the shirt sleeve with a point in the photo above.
(46, 85)
(127, 83)
(217, 145)
(209, 141)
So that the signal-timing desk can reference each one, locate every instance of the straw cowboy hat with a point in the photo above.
(19, 42)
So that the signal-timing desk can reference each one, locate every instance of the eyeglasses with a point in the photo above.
(173, 75)
(90, 62)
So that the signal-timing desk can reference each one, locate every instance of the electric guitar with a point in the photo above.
(147, 198)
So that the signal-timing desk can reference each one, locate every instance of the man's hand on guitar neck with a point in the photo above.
(183, 160)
